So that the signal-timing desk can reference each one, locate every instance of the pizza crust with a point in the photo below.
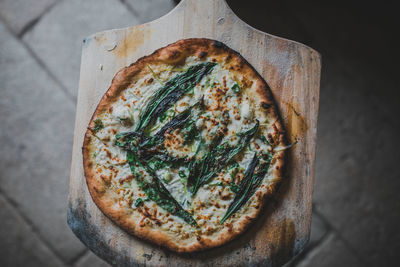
(176, 54)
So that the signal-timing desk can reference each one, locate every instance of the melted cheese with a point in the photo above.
(209, 205)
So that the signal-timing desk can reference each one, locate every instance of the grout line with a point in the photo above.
(32, 23)
(41, 63)
(29, 26)
(52, 76)
(130, 8)
(330, 230)
(351, 249)
(31, 225)
(79, 257)
(310, 248)
(340, 237)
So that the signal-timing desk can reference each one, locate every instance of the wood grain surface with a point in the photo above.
(293, 72)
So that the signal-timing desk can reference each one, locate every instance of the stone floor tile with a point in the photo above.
(37, 132)
(20, 246)
(57, 38)
(17, 14)
(148, 10)
(91, 260)
(332, 252)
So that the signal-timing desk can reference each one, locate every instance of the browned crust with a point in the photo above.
(176, 54)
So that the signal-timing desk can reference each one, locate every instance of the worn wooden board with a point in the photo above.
(293, 72)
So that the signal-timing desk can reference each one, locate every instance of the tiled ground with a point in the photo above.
(356, 200)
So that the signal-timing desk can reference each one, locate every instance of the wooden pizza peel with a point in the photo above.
(293, 72)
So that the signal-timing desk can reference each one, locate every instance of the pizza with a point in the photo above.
(185, 146)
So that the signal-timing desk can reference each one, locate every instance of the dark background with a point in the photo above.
(357, 182)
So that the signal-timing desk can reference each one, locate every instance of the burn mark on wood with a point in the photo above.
(265, 105)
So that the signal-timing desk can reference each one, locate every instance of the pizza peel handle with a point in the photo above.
(291, 69)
